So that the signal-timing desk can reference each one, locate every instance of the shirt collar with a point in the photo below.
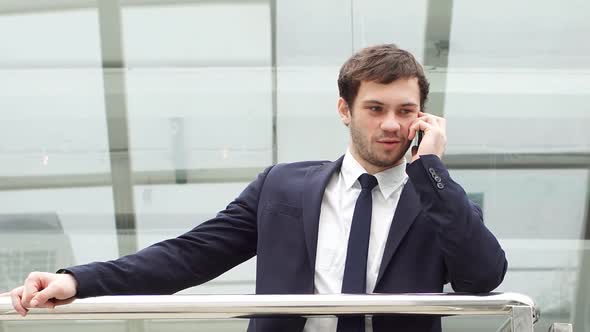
(388, 180)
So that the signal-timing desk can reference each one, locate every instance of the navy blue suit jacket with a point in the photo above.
(437, 236)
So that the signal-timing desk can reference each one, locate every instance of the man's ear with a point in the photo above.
(344, 111)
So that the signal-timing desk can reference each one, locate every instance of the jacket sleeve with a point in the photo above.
(474, 260)
(193, 258)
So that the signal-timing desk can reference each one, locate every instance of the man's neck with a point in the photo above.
(370, 168)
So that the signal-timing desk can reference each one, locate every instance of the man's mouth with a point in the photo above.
(388, 141)
(389, 144)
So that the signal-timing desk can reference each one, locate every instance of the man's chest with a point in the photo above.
(335, 220)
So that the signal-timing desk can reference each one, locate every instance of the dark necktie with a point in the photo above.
(355, 269)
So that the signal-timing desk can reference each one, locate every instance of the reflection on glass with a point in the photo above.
(44, 230)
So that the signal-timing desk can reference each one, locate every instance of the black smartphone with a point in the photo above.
(418, 138)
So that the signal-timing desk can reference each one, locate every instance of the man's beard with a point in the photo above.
(361, 146)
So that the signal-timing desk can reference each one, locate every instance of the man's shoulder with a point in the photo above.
(285, 182)
(297, 169)
(303, 164)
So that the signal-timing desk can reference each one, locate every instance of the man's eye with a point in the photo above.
(375, 108)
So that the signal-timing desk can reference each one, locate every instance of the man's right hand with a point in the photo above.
(43, 290)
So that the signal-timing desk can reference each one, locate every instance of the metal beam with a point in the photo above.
(439, 18)
(581, 307)
(39, 6)
(247, 174)
(518, 161)
(274, 79)
(109, 14)
(193, 176)
(518, 306)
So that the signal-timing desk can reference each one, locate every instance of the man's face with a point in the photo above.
(379, 122)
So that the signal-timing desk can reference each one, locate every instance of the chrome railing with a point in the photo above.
(520, 309)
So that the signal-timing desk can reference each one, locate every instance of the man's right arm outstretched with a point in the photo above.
(166, 267)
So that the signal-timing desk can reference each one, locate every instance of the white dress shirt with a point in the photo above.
(336, 213)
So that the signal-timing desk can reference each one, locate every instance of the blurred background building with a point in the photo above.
(123, 123)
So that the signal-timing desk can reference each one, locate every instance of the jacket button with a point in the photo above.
(432, 171)
(440, 185)
(437, 179)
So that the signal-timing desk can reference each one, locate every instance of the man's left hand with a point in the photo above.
(434, 140)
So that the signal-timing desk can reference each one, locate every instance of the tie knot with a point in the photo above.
(367, 181)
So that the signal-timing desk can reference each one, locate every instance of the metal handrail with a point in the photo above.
(245, 306)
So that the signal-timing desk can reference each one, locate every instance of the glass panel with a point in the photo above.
(47, 229)
(517, 85)
(182, 35)
(514, 87)
(542, 204)
(387, 21)
(164, 211)
(199, 99)
(308, 60)
(183, 119)
(53, 113)
(52, 135)
(68, 38)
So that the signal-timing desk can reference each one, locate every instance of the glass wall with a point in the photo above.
(123, 123)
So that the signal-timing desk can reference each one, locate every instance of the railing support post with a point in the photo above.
(561, 327)
(522, 319)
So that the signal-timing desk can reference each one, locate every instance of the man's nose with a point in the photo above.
(390, 123)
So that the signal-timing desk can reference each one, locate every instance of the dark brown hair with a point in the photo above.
(381, 64)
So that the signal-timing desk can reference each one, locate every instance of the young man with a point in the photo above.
(367, 222)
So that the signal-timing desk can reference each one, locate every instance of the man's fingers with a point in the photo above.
(428, 119)
(426, 122)
(42, 298)
(434, 120)
(15, 296)
(31, 287)
(412, 131)
(417, 125)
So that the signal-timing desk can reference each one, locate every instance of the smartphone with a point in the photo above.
(418, 138)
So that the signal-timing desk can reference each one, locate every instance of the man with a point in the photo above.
(364, 223)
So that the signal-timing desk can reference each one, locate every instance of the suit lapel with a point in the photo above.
(406, 211)
(315, 183)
